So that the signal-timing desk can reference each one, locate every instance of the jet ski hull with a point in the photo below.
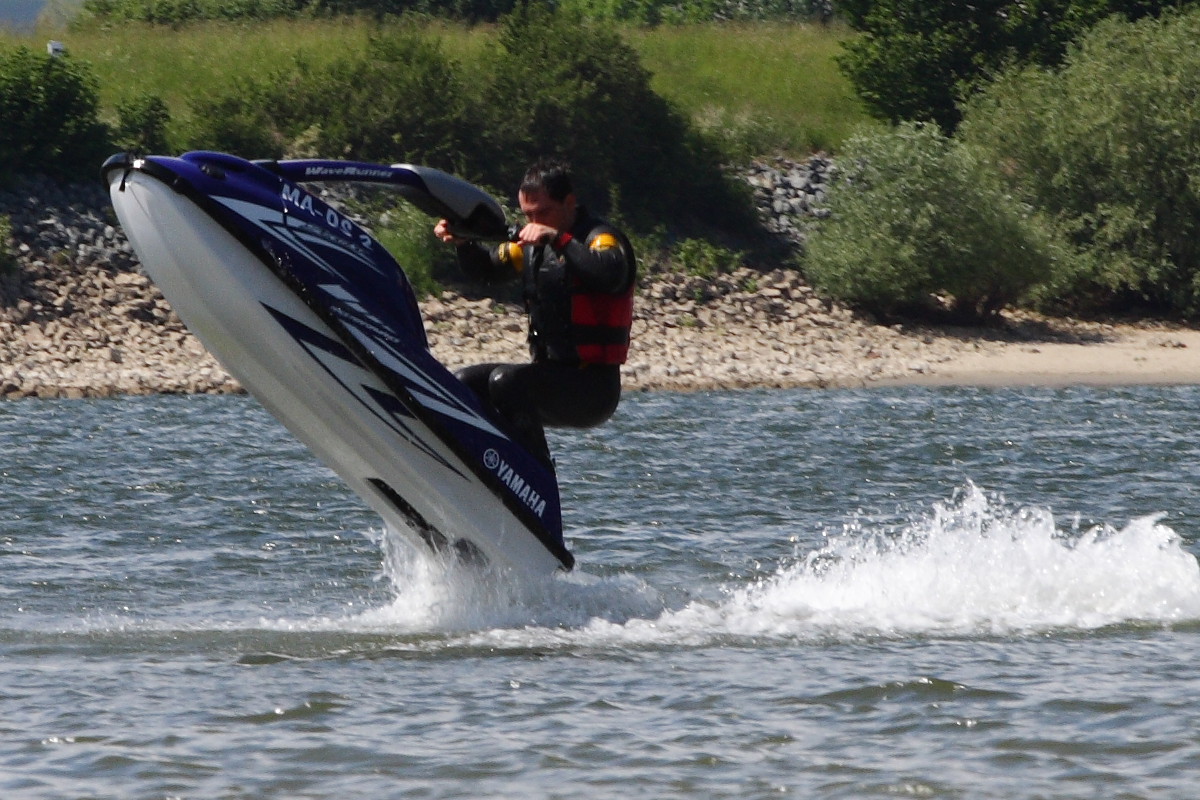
(376, 407)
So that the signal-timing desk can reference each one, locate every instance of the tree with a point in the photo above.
(49, 106)
(560, 84)
(919, 223)
(1109, 147)
(918, 59)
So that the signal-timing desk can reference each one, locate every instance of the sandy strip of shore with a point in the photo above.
(842, 351)
(1125, 355)
(96, 334)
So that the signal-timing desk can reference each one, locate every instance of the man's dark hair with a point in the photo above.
(552, 175)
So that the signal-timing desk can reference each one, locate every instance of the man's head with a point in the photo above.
(550, 175)
(547, 196)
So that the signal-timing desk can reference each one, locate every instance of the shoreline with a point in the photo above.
(1133, 354)
(133, 344)
(79, 319)
(781, 335)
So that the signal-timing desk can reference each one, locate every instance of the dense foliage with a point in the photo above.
(652, 12)
(1110, 147)
(142, 121)
(920, 224)
(173, 12)
(917, 59)
(401, 97)
(637, 11)
(49, 110)
(574, 89)
(8, 262)
(582, 93)
(1077, 188)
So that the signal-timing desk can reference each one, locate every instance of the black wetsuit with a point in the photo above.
(574, 379)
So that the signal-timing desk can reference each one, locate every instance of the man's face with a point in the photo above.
(540, 208)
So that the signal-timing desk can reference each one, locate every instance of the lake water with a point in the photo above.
(19, 14)
(946, 593)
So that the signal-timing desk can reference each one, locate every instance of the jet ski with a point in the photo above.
(317, 320)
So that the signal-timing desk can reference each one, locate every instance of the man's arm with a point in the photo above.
(480, 262)
(601, 264)
(489, 264)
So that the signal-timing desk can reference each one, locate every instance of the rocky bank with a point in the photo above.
(79, 319)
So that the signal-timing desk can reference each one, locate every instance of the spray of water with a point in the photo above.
(971, 566)
(442, 594)
(976, 565)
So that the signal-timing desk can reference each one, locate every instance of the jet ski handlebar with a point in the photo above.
(472, 212)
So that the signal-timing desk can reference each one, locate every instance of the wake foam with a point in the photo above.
(971, 566)
(976, 566)
(446, 596)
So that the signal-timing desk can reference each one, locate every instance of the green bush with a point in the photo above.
(574, 89)
(400, 99)
(142, 122)
(918, 223)
(674, 12)
(705, 259)
(405, 232)
(577, 90)
(49, 110)
(1109, 147)
(238, 123)
(917, 59)
(8, 261)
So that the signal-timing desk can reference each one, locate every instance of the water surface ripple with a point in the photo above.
(956, 593)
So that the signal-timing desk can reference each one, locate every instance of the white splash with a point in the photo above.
(973, 566)
(443, 595)
(976, 566)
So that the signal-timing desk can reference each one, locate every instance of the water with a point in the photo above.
(19, 14)
(948, 593)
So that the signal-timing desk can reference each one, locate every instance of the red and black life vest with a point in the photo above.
(600, 325)
(567, 322)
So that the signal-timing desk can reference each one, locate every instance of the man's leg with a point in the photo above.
(511, 390)
(530, 396)
(514, 390)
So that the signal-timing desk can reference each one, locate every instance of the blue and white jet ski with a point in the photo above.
(310, 313)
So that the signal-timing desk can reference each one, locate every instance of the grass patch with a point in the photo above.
(178, 64)
(762, 88)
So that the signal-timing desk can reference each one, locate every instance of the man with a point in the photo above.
(578, 275)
